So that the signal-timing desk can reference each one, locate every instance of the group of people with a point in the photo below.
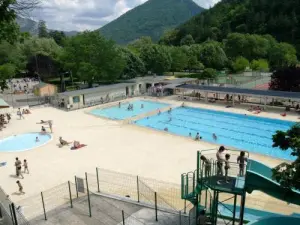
(22, 85)
(4, 119)
(22, 113)
(44, 122)
(76, 144)
(223, 164)
(18, 165)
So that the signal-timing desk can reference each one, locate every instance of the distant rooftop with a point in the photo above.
(148, 79)
(100, 89)
(243, 91)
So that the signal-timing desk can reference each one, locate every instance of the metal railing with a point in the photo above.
(88, 195)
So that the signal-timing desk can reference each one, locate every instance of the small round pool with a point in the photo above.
(23, 142)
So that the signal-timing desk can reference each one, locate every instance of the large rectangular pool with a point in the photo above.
(250, 133)
(121, 113)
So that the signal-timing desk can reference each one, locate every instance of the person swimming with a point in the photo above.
(215, 137)
(37, 139)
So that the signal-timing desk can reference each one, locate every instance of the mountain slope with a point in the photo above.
(150, 19)
(31, 26)
(279, 18)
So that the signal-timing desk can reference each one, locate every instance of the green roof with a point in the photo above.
(3, 103)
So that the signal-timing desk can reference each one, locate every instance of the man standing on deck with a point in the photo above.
(220, 160)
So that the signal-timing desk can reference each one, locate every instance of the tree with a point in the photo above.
(100, 58)
(58, 36)
(260, 65)
(137, 45)
(42, 29)
(286, 79)
(41, 55)
(134, 65)
(187, 40)
(208, 73)
(9, 29)
(179, 59)
(282, 55)
(156, 58)
(288, 174)
(212, 55)
(168, 37)
(7, 71)
(240, 64)
(250, 46)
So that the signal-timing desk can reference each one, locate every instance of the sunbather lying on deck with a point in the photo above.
(63, 142)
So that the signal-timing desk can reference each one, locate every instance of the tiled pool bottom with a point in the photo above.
(139, 107)
(250, 133)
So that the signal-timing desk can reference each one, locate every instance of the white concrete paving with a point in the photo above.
(110, 144)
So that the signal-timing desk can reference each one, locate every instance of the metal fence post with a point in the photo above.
(155, 200)
(138, 188)
(123, 217)
(70, 193)
(11, 214)
(97, 179)
(44, 205)
(88, 194)
(76, 186)
(14, 213)
(184, 206)
(179, 217)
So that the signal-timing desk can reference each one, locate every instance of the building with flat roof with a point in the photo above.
(106, 93)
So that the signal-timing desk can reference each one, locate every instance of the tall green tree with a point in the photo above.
(187, 40)
(288, 174)
(134, 66)
(58, 36)
(42, 29)
(282, 55)
(97, 55)
(7, 71)
(157, 58)
(260, 65)
(240, 64)
(41, 55)
(179, 59)
(212, 55)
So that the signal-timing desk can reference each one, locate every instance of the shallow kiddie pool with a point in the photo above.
(23, 142)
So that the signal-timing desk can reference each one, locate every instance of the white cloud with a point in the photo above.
(88, 14)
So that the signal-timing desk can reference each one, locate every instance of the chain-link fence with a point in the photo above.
(9, 213)
(95, 195)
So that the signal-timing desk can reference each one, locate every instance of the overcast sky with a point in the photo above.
(82, 15)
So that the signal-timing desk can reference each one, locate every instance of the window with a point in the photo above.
(76, 99)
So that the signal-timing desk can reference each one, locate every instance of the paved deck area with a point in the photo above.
(106, 211)
(115, 146)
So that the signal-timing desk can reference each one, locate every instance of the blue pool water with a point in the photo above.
(250, 133)
(23, 142)
(122, 113)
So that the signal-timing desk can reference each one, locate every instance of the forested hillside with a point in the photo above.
(279, 18)
(150, 19)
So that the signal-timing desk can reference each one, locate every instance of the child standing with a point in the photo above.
(25, 164)
(206, 165)
(227, 167)
(20, 187)
(242, 159)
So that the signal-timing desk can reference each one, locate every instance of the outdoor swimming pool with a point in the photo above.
(122, 113)
(250, 133)
(23, 142)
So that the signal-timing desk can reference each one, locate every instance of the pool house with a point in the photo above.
(153, 85)
(268, 98)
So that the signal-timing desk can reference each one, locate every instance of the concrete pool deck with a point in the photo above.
(115, 146)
